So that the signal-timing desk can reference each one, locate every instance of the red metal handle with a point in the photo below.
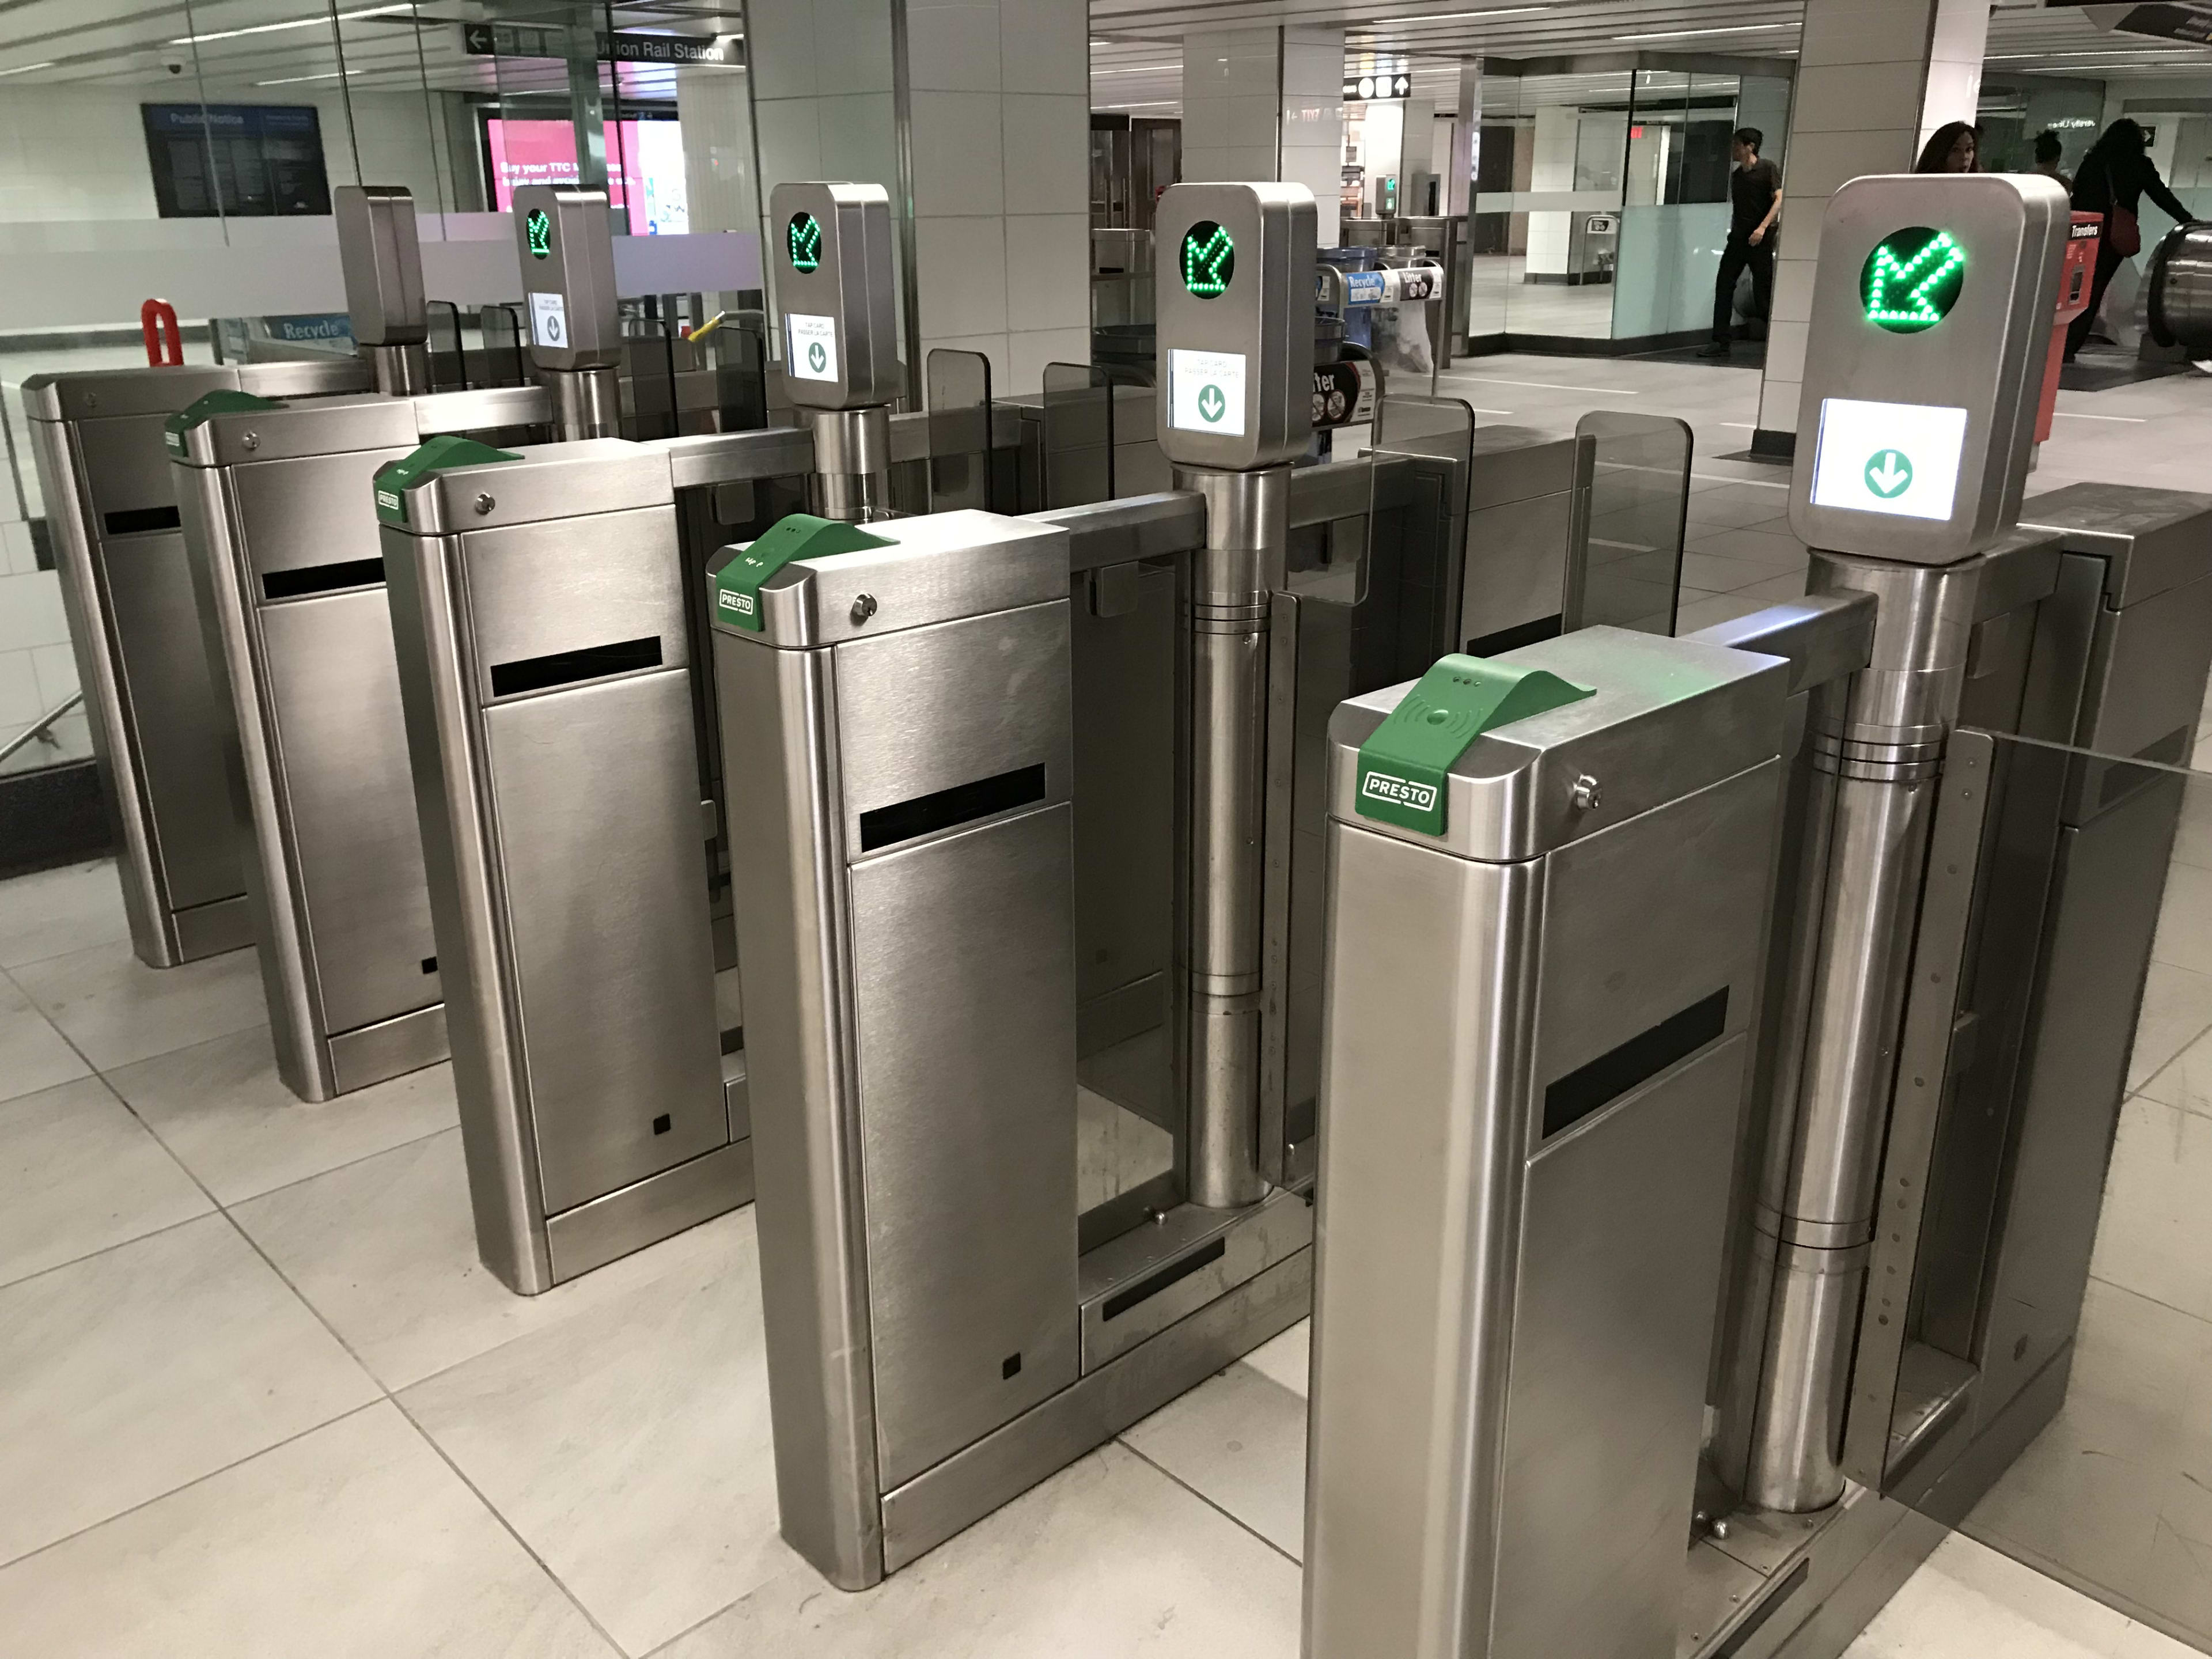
(165, 341)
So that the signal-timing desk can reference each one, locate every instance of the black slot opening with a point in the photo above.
(1648, 1053)
(322, 577)
(926, 814)
(663, 1124)
(733, 1040)
(1205, 1256)
(429, 965)
(566, 668)
(1512, 639)
(1011, 1366)
(137, 520)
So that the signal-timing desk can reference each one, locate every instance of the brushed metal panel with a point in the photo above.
(1512, 463)
(778, 741)
(1425, 1073)
(347, 798)
(1252, 1241)
(1663, 943)
(1620, 1263)
(126, 467)
(390, 1048)
(208, 930)
(964, 1005)
(320, 509)
(1516, 564)
(606, 1229)
(168, 706)
(595, 794)
(922, 1513)
(2147, 672)
(540, 588)
(992, 693)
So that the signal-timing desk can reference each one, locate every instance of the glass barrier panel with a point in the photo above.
(1632, 573)
(959, 386)
(1079, 435)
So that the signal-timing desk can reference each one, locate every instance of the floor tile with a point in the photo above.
(58, 911)
(115, 1009)
(385, 1251)
(1967, 1601)
(2185, 920)
(1239, 1441)
(34, 1055)
(1731, 506)
(79, 1174)
(1108, 1557)
(130, 1372)
(222, 1110)
(1286, 1357)
(1716, 572)
(1779, 553)
(1694, 614)
(354, 1541)
(629, 1447)
(1775, 589)
(2155, 1232)
(2186, 1080)
(2177, 1008)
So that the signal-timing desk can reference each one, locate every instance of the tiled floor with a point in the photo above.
(257, 1397)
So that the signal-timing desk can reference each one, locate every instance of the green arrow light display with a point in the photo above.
(1912, 279)
(538, 229)
(804, 239)
(1209, 260)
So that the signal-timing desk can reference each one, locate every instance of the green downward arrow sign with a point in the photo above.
(1211, 403)
(1888, 473)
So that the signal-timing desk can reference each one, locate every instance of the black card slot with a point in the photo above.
(137, 520)
(1512, 639)
(322, 577)
(593, 662)
(1144, 1289)
(924, 815)
(1644, 1056)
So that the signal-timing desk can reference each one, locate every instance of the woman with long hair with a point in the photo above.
(1954, 147)
(2112, 180)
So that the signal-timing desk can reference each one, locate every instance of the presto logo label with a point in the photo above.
(388, 499)
(741, 603)
(1398, 792)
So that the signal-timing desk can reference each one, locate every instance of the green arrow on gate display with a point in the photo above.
(816, 356)
(1888, 474)
(1212, 405)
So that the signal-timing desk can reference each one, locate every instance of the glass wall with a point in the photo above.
(1602, 199)
(188, 153)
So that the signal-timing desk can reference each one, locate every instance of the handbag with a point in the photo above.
(2123, 230)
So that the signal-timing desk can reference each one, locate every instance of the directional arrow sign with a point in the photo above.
(816, 356)
(1211, 403)
(1888, 474)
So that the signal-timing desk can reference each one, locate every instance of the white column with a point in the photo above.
(995, 193)
(1874, 78)
(1266, 103)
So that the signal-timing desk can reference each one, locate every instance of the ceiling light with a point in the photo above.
(1685, 35)
(295, 80)
(1452, 16)
(25, 69)
(323, 22)
(1141, 68)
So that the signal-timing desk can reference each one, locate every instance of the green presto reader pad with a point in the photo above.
(440, 454)
(1403, 763)
(800, 536)
(204, 407)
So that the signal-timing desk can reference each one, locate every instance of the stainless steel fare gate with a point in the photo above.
(537, 606)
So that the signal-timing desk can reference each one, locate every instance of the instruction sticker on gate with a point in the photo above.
(549, 319)
(1205, 391)
(1405, 762)
(812, 346)
(1900, 459)
(738, 580)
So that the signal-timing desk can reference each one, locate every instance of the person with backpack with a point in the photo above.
(2112, 180)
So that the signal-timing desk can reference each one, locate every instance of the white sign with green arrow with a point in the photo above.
(1900, 459)
(1205, 391)
(813, 347)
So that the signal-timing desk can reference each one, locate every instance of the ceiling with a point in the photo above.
(270, 50)
(1136, 51)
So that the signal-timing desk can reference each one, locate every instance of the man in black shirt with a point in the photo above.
(1755, 200)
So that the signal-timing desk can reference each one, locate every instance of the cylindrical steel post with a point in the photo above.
(1226, 618)
(587, 402)
(852, 478)
(1877, 751)
(400, 371)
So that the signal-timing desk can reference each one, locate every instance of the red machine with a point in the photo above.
(165, 343)
(2076, 281)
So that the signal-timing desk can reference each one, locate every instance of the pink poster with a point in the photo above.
(545, 153)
